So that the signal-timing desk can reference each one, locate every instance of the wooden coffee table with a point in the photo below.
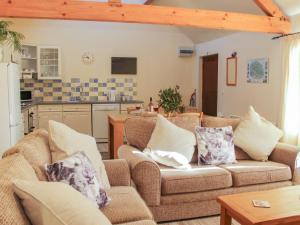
(285, 207)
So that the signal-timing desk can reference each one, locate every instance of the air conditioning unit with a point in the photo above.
(185, 51)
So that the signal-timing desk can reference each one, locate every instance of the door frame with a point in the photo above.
(200, 80)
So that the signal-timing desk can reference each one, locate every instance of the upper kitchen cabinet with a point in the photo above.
(49, 63)
(29, 61)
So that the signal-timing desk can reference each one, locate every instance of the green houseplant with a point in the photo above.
(10, 38)
(170, 100)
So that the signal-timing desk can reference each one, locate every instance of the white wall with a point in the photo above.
(296, 23)
(154, 46)
(236, 100)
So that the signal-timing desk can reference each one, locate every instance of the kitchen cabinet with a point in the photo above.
(77, 116)
(49, 62)
(79, 121)
(44, 118)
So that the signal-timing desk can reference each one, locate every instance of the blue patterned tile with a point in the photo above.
(57, 98)
(57, 89)
(93, 89)
(93, 98)
(66, 84)
(75, 80)
(94, 80)
(47, 84)
(66, 93)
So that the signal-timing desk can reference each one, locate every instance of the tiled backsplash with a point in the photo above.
(92, 89)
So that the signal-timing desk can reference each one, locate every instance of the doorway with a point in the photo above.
(210, 85)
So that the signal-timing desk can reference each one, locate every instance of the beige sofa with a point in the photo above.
(26, 161)
(174, 194)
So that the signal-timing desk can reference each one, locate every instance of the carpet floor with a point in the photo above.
(215, 220)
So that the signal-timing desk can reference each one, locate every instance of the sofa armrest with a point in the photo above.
(289, 155)
(118, 172)
(145, 174)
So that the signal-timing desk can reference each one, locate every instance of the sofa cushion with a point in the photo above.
(248, 172)
(256, 136)
(125, 206)
(168, 137)
(64, 142)
(78, 172)
(138, 130)
(66, 207)
(13, 167)
(240, 154)
(211, 121)
(35, 149)
(198, 178)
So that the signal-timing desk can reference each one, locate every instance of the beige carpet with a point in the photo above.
(202, 221)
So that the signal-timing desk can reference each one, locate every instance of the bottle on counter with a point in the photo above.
(151, 105)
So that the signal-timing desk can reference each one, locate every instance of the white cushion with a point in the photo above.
(54, 203)
(256, 136)
(65, 141)
(171, 144)
(171, 159)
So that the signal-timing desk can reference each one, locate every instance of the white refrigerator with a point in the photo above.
(11, 125)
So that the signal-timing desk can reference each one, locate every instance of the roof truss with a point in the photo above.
(115, 11)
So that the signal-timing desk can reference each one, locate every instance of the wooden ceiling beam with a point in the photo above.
(270, 8)
(147, 14)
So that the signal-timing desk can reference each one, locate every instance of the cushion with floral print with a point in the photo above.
(78, 172)
(215, 145)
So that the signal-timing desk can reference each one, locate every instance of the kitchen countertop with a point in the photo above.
(27, 106)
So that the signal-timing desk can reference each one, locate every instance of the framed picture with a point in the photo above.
(258, 71)
(231, 74)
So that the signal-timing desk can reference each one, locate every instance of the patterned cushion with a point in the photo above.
(78, 172)
(13, 167)
(64, 142)
(215, 145)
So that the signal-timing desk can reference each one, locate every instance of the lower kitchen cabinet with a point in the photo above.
(79, 121)
(76, 116)
(44, 118)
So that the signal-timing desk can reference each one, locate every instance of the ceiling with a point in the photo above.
(289, 7)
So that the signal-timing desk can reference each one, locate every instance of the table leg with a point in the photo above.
(225, 217)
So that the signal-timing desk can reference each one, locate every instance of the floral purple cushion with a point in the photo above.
(78, 172)
(215, 145)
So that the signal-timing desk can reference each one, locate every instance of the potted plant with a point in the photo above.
(170, 100)
(10, 38)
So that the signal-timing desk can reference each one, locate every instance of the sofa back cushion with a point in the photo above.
(138, 130)
(211, 121)
(35, 149)
(13, 167)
